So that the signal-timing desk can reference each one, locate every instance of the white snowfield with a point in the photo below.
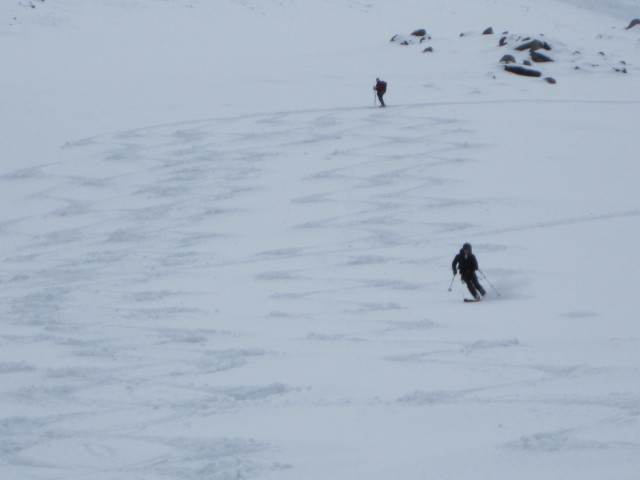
(220, 261)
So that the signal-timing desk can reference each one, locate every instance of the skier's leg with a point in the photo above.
(477, 285)
(471, 287)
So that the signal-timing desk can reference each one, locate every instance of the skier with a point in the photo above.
(467, 263)
(381, 89)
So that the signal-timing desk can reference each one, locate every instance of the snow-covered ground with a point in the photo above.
(220, 261)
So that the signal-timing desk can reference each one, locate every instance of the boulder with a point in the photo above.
(488, 31)
(508, 59)
(539, 57)
(633, 23)
(550, 80)
(525, 72)
(421, 32)
(533, 45)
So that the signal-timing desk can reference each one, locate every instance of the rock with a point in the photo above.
(417, 36)
(488, 31)
(503, 41)
(634, 22)
(526, 62)
(539, 57)
(525, 72)
(533, 45)
(550, 80)
(428, 50)
(508, 59)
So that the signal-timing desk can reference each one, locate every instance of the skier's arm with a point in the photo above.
(453, 265)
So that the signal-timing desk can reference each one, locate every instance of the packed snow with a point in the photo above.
(222, 260)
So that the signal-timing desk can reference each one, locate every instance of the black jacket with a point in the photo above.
(467, 264)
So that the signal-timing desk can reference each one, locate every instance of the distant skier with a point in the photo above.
(467, 263)
(381, 89)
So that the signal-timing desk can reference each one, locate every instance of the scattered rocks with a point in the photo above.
(417, 36)
(525, 49)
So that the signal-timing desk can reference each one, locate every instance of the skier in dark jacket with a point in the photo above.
(467, 263)
(381, 89)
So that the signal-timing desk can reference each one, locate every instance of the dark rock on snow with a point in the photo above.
(488, 31)
(634, 22)
(539, 57)
(533, 45)
(525, 72)
(550, 80)
(411, 39)
(508, 59)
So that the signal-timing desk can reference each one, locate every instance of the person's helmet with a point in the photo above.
(466, 246)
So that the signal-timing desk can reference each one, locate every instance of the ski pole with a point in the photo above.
(491, 284)
(452, 279)
(374, 99)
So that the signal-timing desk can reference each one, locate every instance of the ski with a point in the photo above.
(470, 300)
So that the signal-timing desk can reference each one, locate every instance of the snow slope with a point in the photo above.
(220, 262)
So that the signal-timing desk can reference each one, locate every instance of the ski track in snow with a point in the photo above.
(137, 234)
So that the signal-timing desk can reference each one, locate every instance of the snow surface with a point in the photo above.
(221, 262)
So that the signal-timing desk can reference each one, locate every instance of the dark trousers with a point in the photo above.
(471, 279)
(380, 94)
